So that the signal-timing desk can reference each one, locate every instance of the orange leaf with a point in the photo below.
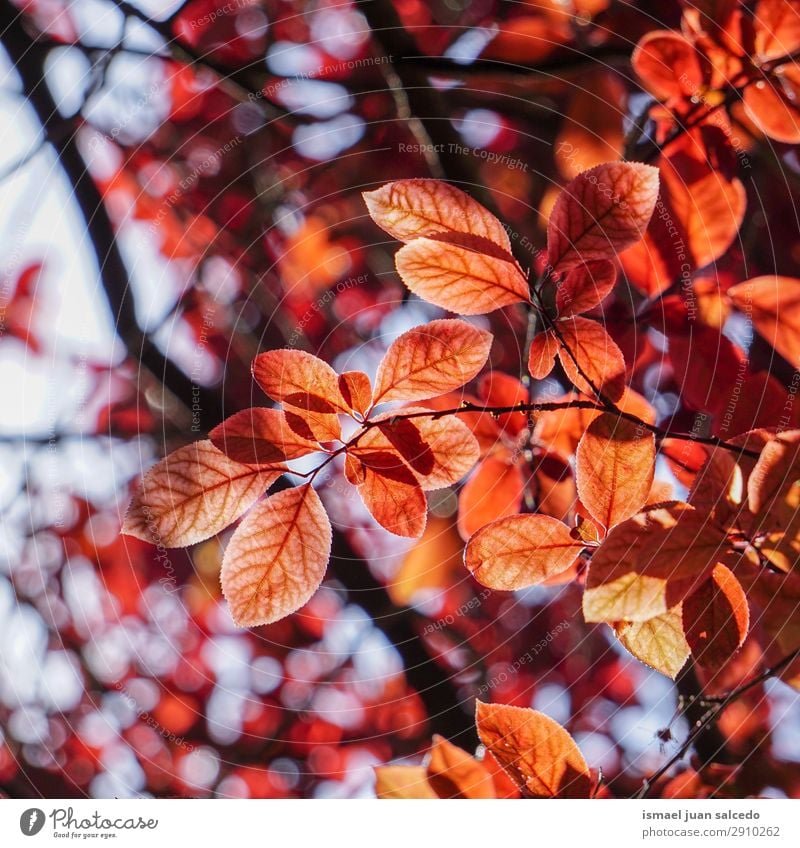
(439, 451)
(589, 349)
(453, 773)
(585, 286)
(314, 426)
(592, 132)
(457, 278)
(615, 465)
(538, 754)
(696, 220)
(260, 436)
(716, 618)
(773, 304)
(771, 107)
(542, 355)
(299, 379)
(391, 493)
(193, 493)
(493, 491)
(432, 563)
(356, 390)
(777, 25)
(601, 212)
(393, 782)
(650, 563)
(520, 551)
(277, 557)
(432, 359)
(669, 65)
(658, 642)
(776, 472)
(409, 209)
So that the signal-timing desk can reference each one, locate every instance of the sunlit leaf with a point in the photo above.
(409, 209)
(460, 279)
(601, 212)
(536, 751)
(260, 436)
(658, 642)
(430, 360)
(521, 550)
(277, 557)
(615, 465)
(193, 493)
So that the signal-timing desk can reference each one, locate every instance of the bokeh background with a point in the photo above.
(180, 188)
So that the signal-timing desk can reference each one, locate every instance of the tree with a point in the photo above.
(555, 385)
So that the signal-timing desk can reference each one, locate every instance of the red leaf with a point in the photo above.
(260, 436)
(430, 360)
(277, 557)
(410, 209)
(390, 492)
(601, 212)
(650, 563)
(453, 773)
(356, 390)
(440, 451)
(542, 355)
(520, 551)
(716, 618)
(615, 464)
(773, 304)
(538, 754)
(193, 493)
(299, 379)
(459, 279)
(589, 349)
(493, 491)
(669, 65)
(584, 287)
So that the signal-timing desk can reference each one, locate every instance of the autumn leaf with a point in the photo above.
(410, 209)
(591, 358)
(601, 212)
(431, 564)
(394, 782)
(440, 451)
(650, 563)
(430, 360)
(773, 305)
(460, 279)
(193, 493)
(260, 436)
(299, 379)
(615, 466)
(698, 215)
(584, 287)
(356, 391)
(669, 65)
(495, 490)
(716, 618)
(775, 473)
(520, 551)
(538, 754)
(453, 773)
(658, 642)
(277, 557)
(771, 103)
(390, 492)
(542, 354)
